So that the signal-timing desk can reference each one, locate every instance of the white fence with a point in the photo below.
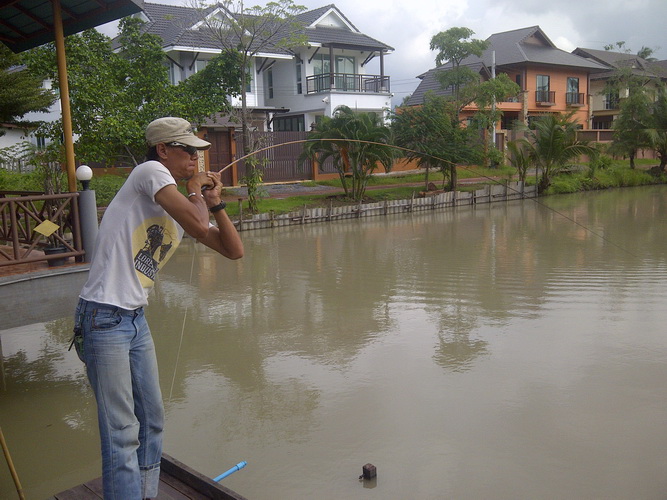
(17, 165)
(491, 193)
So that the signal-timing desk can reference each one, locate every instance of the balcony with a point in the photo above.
(545, 97)
(611, 103)
(347, 82)
(575, 99)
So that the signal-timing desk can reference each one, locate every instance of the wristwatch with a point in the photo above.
(218, 207)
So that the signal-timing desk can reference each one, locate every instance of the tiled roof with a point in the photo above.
(327, 35)
(430, 83)
(622, 60)
(512, 47)
(660, 66)
(518, 47)
(311, 16)
(174, 25)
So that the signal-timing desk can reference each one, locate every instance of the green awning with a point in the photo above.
(25, 24)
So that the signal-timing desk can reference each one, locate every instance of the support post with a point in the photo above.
(88, 221)
(64, 95)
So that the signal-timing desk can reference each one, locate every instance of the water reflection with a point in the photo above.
(504, 349)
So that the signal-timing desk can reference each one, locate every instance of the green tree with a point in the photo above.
(657, 127)
(634, 113)
(453, 46)
(432, 136)
(20, 90)
(250, 31)
(645, 52)
(114, 95)
(485, 95)
(553, 145)
(356, 142)
(519, 158)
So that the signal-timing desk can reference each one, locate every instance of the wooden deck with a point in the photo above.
(177, 482)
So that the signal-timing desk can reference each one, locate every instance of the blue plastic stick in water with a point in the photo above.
(238, 466)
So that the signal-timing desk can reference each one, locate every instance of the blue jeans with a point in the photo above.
(122, 369)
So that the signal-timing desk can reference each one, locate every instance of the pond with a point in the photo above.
(499, 351)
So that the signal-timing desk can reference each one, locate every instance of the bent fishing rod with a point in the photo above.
(439, 159)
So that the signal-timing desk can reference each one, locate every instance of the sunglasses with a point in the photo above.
(188, 149)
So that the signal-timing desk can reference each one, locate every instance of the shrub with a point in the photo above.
(106, 187)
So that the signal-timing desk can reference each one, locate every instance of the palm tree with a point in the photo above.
(552, 145)
(356, 142)
(657, 132)
(518, 157)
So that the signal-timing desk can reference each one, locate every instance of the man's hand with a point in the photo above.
(195, 183)
(214, 189)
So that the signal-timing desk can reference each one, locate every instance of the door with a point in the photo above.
(220, 154)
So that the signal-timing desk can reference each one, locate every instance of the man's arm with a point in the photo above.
(192, 214)
(224, 238)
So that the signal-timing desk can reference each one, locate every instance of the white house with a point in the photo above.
(290, 89)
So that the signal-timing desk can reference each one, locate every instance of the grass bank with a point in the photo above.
(395, 187)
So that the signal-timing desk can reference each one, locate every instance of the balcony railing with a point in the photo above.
(574, 99)
(611, 103)
(347, 82)
(545, 97)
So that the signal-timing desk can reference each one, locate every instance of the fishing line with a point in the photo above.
(428, 155)
(185, 316)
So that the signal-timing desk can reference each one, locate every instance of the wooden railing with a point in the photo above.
(347, 82)
(545, 97)
(20, 214)
(575, 99)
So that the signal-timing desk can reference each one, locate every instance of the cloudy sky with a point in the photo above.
(408, 25)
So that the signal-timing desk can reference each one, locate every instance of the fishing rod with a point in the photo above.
(428, 155)
(10, 464)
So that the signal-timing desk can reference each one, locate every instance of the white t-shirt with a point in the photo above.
(135, 239)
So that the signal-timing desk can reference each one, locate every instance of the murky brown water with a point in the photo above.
(500, 352)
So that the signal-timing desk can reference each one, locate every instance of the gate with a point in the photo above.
(221, 154)
(282, 163)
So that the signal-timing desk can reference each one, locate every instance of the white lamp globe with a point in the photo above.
(84, 173)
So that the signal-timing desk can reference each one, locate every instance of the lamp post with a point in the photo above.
(87, 211)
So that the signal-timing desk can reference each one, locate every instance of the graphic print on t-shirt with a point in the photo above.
(153, 243)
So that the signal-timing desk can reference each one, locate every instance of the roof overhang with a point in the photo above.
(25, 24)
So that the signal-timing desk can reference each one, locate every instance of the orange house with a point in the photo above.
(551, 80)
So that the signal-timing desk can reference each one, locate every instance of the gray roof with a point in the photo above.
(430, 83)
(174, 25)
(311, 16)
(337, 37)
(619, 60)
(660, 66)
(512, 48)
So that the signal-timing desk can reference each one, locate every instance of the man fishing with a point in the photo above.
(140, 230)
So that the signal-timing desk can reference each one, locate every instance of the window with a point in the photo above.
(299, 84)
(542, 94)
(269, 83)
(174, 73)
(321, 69)
(248, 76)
(200, 65)
(517, 78)
(40, 141)
(346, 79)
(321, 64)
(611, 101)
(572, 96)
(289, 123)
